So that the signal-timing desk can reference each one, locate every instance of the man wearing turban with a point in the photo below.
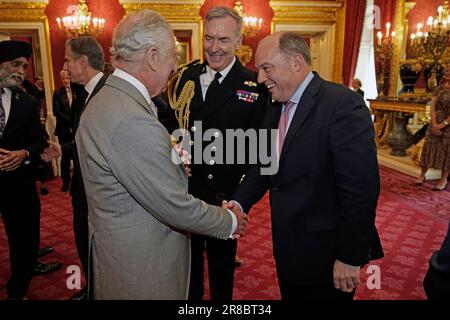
(21, 141)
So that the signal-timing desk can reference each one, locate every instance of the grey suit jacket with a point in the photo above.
(140, 212)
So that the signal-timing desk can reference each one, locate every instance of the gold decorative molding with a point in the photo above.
(244, 53)
(183, 12)
(294, 13)
(21, 15)
(395, 60)
(304, 16)
(22, 11)
(398, 106)
(339, 45)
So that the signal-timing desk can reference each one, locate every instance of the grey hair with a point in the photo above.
(220, 12)
(139, 32)
(88, 46)
(291, 43)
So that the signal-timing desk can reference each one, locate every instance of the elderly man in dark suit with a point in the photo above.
(324, 194)
(226, 96)
(21, 141)
(62, 109)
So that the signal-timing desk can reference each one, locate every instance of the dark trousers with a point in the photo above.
(66, 157)
(81, 229)
(221, 264)
(437, 285)
(293, 292)
(20, 209)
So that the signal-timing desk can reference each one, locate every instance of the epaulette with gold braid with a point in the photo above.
(181, 104)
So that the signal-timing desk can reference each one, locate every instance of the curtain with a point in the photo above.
(354, 21)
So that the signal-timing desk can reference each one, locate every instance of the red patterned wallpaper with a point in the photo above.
(258, 8)
(111, 10)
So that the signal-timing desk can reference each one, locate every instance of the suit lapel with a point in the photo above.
(305, 105)
(97, 88)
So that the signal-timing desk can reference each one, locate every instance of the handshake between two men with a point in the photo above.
(241, 218)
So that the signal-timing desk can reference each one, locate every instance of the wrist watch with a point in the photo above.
(28, 152)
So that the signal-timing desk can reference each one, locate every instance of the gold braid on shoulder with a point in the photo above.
(182, 104)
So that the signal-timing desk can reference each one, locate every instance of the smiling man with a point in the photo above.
(21, 141)
(324, 195)
(226, 97)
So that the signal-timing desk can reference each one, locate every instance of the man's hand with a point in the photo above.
(52, 151)
(241, 217)
(11, 160)
(345, 277)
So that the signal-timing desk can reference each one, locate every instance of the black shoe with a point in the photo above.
(44, 251)
(41, 268)
(44, 191)
(80, 295)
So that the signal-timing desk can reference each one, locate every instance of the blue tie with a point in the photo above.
(2, 114)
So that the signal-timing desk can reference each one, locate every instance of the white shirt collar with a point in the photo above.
(211, 73)
(6, 102)
(137, 84)
(90, 86)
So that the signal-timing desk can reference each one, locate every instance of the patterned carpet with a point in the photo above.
(411, 220)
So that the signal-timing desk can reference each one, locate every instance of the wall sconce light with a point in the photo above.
(251, 25)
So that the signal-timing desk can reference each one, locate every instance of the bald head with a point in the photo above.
(283, 62)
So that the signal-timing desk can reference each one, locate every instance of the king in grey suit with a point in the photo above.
(140, 212)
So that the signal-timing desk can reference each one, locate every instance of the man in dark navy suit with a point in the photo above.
(21, 142)
(226, 96)
(84, 60)
(324, 195)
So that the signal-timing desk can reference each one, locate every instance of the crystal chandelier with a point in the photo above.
(78, 21)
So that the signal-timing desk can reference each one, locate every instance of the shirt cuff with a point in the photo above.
(234, 223)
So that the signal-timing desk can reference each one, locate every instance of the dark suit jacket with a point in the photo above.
(78, 106)
(62, 111)
(23, 131)
(359, 91)
(214, 183)
(324, 195)
(437, 278)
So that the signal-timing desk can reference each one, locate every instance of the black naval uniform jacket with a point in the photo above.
(239, 103)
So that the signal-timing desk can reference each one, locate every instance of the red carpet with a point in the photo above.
(411, 221)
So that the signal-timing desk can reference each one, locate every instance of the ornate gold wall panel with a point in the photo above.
(31, 15)
(23, 11)
(183, 15)
(171, 11)
(326, 15)
(395, 60)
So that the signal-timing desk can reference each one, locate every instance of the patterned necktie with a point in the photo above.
(282, 125)
(2, 114)
(212, 87)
